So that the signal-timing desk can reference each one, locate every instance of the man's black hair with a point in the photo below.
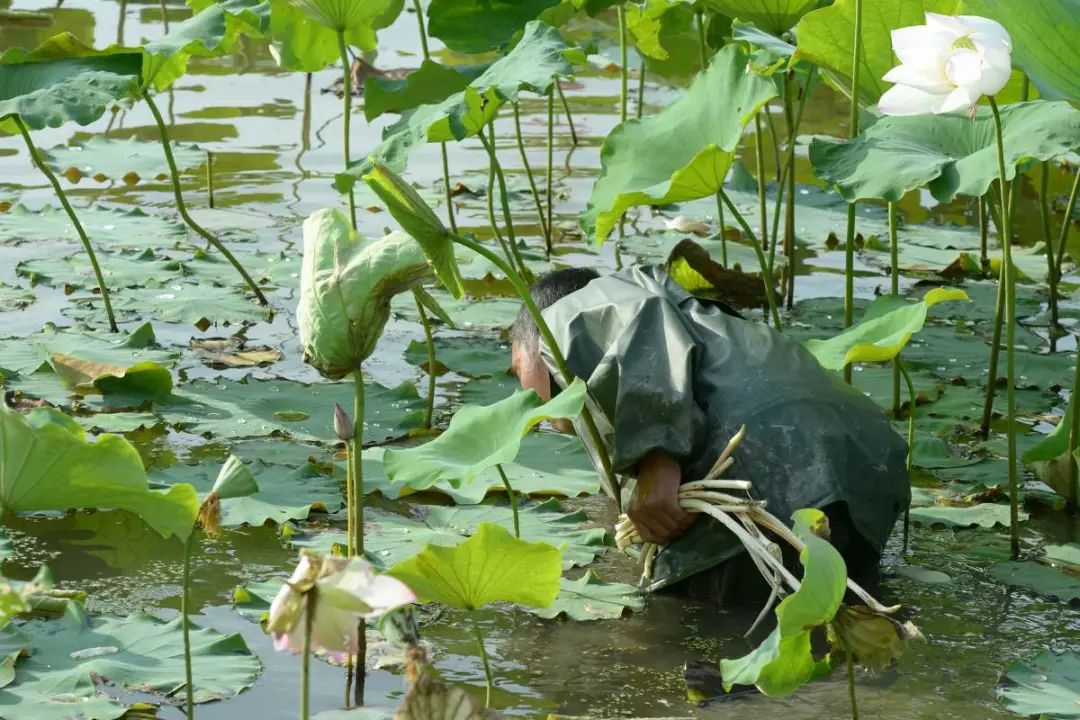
(551, 287)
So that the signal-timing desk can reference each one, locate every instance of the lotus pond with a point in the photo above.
(209, 416)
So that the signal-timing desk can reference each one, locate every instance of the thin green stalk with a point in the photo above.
(513, 499)
(346, 94)
(566, 110)
(532, 181)
(703, 52)
(358, 522)
(210, 178)
(1066, 225)
(185, 611)
(550, 180)
(484, 658)
(894, 287)
(766, 276)
(1010, 340)
(504, 197)
(775, 142)
(429, 408)
(305, 658)
(1051, 271)
(35, 156)
(1074, 442)
(164, 15)
(992, 369)
(759, 156)
(181, 206)
(851, 684)
(913, 400)
(522, 289)
(641, 88)
(789, 205)
(423, 31)
(624, 71)
(788, 167)
(984, 235)
(853, 131)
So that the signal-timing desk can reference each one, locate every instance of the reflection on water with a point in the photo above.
(275, 137)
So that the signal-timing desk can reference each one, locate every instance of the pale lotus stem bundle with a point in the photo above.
(745, 518)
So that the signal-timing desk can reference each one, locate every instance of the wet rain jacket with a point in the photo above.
(668, 371)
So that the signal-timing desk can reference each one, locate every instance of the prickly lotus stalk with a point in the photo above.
(346, 284)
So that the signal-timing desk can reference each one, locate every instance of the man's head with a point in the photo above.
(526, 361)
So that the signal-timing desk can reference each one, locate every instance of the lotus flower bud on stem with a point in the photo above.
(343, 424)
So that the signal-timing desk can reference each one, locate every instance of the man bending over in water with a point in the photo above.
(674, 377)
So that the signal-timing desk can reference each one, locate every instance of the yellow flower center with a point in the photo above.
(964, 43)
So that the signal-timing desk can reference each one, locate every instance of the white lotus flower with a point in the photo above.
(345, 590)
(946, 64)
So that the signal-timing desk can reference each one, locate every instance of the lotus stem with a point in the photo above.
(1051, 271)
(566, 111)
(496, 232)
(513, 499)
(984, 235)
(522, 289)
(703, 51)
(1010, 339)
(641, 88)
(789, 164)
(346, 92)
(995, 345)
(1066, 224)
(210, 178)
(624, 71)
(898, 365)
(775, 142)
(484, 659)
(420, 25)
(789, 205)
(164, 15)
(532, 181)
(851, 682)
(853, 131)
(894, 288)
(355, 457)
(766, 276)
(550, 180)
(185, 611)
(35, 156)
(429, 408)
(305, 658)
(504, 197)
(759, 159)
(1073, 487)
(181, 206)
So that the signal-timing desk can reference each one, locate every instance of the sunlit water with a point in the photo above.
(276, 144)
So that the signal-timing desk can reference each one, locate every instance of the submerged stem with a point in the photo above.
(641, 88)
(484, 659)
(429, 408)
(185, 611)
(1073, 487)
(513, 499)
(566, 110)
(346, 91)
(181, 206)
(851, 684)
(532, 181)
(35, 156)
(766, 275)
(913, 401)
(1010, 339)
(1051, 271)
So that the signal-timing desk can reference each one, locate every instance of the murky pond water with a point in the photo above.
(275, 139)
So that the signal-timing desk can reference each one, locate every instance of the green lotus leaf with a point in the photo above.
(475, 26)
(491, 566)
(1067, 554)
(431, 83)
(48, 91)
(784, 662)
(69, 657)
(1044, 580)
(656, 27)
(1045, 686)
(105, 473)
(305, 31)
(130, 160)
(1055, 444)
(17, 598)
(1043, 37)
(682, 153)
(235, 480)
(345, 288)
(469, 355)
(532, 65)
(469, 312)
(883, 331)
(420, 221)
(391, 538)
(112, 227)
(826, 38)
(949, 154)
(173, 302)
(590, 598)
(985, 515)
(15, 298)
(758, 38)
(772, 16)
(480, 438)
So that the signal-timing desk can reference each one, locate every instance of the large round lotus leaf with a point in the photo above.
(1040, 578)
(390, 538)
(114, 227)
(305, 31)
(257, 408)
(14, 298)
(471, 356)
(682, 153)
(429, 84)
(174, 302)
(283, 494)
(826, 38)
(950, 154)
(986, 515)
(491, 566)
(1047, 686)
(1068, 554)
(468, 313)
(105, 473)
(473, 26)
(590, 598)
(130, 160)
(774, 16)
(67, 658)
(73, 272)
(1043, 36)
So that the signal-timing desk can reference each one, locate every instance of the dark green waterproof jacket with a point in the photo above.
(668, 371)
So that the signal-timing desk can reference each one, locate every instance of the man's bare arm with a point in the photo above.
(654, 507)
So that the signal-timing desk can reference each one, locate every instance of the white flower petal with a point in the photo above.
(964, 67)
(987, 27)
(906, 100)
(961, 98)
(931, 79)
(948, 24)
(996, 70)
(918, 44)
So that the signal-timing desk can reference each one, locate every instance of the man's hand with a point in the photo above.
(654, 507)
